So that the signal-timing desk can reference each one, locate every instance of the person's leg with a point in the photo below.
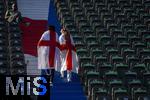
(68, 75)
(45, 72)
(62, 74)
(52, 75)
(48, 72)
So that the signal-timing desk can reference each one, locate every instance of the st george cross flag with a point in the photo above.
(69, 58)
(48, 51)
(35, 12)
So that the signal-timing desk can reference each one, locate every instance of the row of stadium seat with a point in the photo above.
(4, 62)
(17, 61)
(12, 58)
(112, 38)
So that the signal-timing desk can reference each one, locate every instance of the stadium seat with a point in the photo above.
(79, 45)
(82, 52)
(93, 45)
(104, 67)
(104, 38)
(146, 76)
(117, 33)
(101, 59)
(85, 59)
(121, 68)
(18, 71)
(77, 38)
(129, 75)
(110, 76)
(74, 6)
(139, 68)
(116, 59)
(108, 22)
(112, 51)
(121, 93)
(139, 93)
(15, 43)
(101, 94)
(145, 35)
(85, 67)
(4, 71)
(99, 5)
(93, 84)
(90, 39)
(101, 30)
(144, 97)
(148, 86)
(3, 49)
(131, 60)
(15, 49)
(114, 83)
(17, 56)
(135, 83)
(138, 45)
(146, 61)
(134, 39)
(140, 27)
(1, 6)
(131, 33)
(123, 45)
(108, 44)
(144, 52)
(127, 51)
(15, 36)
(96, 52)
(127, 27)
(90, 75)
(14, 30)
(120, 17)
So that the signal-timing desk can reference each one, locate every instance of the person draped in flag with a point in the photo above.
(69, 59)
(49, 53)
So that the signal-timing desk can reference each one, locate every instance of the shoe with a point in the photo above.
(69, 80)
(62, 75)
(51, 84)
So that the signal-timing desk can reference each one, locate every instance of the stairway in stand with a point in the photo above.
(61, 89)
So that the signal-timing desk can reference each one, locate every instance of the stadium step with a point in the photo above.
(67, 90)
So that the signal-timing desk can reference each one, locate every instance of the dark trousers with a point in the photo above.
(49, 72)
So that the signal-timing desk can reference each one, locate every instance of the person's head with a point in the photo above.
(51, 28)
(14, 7)
(64, 31)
